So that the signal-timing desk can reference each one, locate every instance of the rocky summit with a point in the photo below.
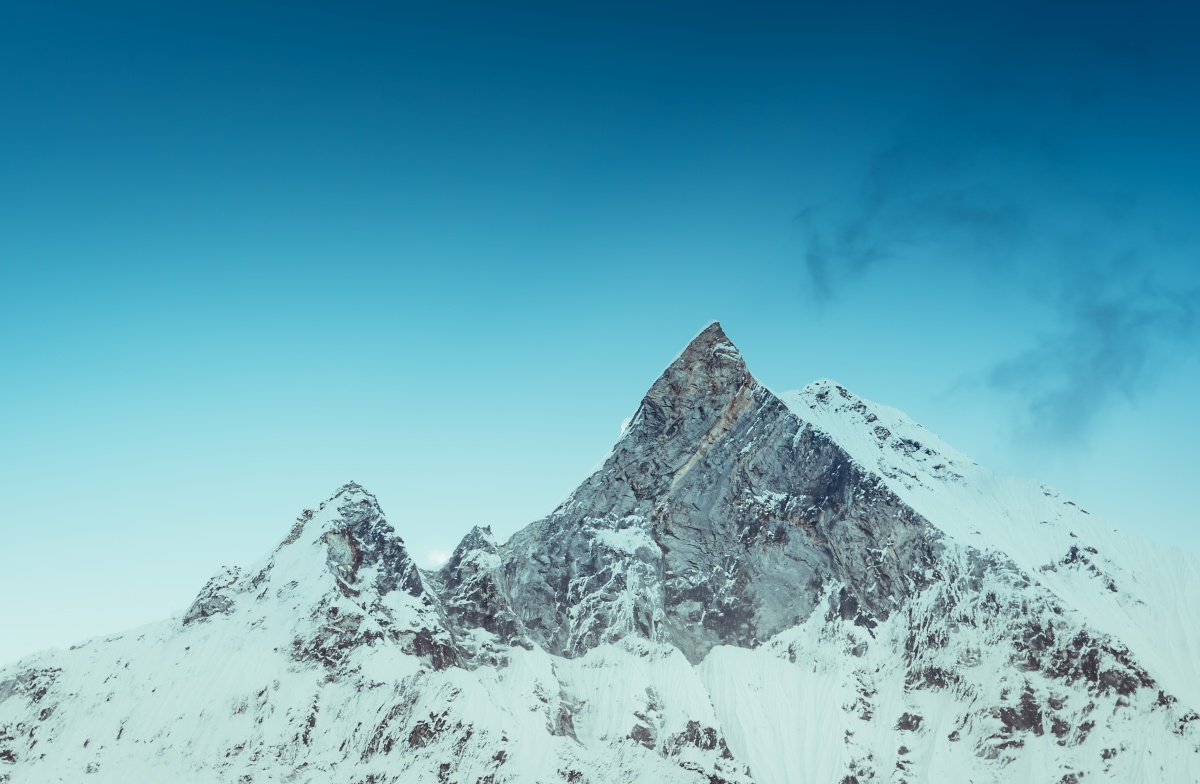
(752, 587)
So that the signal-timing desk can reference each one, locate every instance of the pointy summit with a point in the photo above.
(698, 399)
(729, 517)
(751, 588)
(708, 373)
(709, 341)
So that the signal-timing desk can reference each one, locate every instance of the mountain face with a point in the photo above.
(753, 587)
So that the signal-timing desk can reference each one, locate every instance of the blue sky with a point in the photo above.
(249, 254)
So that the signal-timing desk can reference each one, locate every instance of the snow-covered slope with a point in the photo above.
(751, 588)
(1143, 593)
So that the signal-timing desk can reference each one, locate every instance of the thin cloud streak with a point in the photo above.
(1007, 177)
(1112, 349)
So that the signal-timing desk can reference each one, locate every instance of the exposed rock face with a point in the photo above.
(752, 588)
(214, 597)
(473, 601)
(720, 518)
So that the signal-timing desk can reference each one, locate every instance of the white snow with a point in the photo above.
(1156, 607)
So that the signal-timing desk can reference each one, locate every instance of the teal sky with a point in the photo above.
(247, 255)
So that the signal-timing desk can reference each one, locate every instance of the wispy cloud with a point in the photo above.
(1009, 174)
(1111, 348)
(916, 196)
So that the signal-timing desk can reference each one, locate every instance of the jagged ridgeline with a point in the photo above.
(805, 587)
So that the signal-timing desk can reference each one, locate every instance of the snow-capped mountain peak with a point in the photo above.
(751, 588)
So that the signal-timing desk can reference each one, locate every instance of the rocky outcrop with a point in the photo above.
(214, 597)
(478, 612)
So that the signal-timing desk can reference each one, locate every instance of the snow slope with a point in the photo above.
(1144, 593)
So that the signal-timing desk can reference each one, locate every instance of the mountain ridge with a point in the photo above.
(750, 587)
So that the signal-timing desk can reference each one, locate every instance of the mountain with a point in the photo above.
(752, 587)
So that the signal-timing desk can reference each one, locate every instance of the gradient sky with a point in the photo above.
(442, 249)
